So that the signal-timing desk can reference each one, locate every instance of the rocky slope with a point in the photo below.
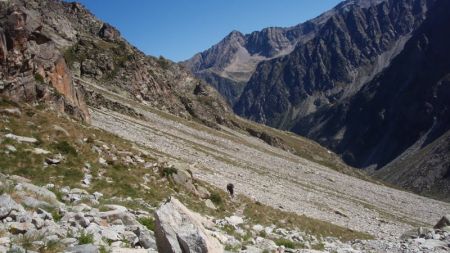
(350, 49)
(91, 174)
(400, 112)
(229, 64)
(42, 50)
(31, 65)
(154, 133)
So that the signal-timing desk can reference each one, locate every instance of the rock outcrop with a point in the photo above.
(180, 230)
(33, 68)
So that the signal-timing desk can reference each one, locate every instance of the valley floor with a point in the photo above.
(273, 176)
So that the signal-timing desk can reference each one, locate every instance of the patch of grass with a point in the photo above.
(265, 215)
(232, 248)
(319, 246)
(38, 78)
(85, 238)
(103, 249)
(168, 171)
(216, 198)
(56, 215)
(148, 222)
(288, 243)
(65, 148)
(52, 246)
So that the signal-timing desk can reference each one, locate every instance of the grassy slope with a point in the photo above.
(77, 148)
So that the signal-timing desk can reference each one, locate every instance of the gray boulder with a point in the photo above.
(180, 230)
(7, 204)
(85, 248)
(146, 238)
(443, 222)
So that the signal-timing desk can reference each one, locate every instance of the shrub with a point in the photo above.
(216, 198)
(85, 238)
(148, 222)
(103, 249)
(65, 148)
(163, 62)
(286, 243)
(169, 171)
(56, 215)
(39, 78)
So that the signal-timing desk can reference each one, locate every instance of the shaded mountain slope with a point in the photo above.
(350, 49)
(402, 110)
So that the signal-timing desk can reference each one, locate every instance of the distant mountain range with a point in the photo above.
(368, 79)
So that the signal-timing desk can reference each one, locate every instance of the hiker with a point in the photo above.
(230, 189)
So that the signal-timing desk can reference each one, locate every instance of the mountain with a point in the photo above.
(366, 83)
(105, 149)
(403, 105)
(229, 64)
(352, 47)
(68, 46)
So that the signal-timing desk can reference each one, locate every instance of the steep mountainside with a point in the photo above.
(350, 49)
(61, 48)
(369, 82)
(153, 133)
(405, 104)
(426, 170)
(229, 64)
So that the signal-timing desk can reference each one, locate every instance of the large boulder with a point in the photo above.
(443, 222)
(7, 204)
(109, 33)
(180, 230)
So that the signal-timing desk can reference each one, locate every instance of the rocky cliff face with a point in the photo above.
(32, 67)
(229, 64)
(405, 104)
(51, 55)
(353, 46)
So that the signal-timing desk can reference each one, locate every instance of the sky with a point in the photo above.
(178, 29)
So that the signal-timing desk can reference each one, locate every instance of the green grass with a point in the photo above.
(85, 238)
(148, 222)
(56, 215)
(216, 198)
(127, 179)
(265, 215)
(38, 78)
(288, 243)
(65, 148)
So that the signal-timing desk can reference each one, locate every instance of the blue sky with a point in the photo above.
(177, 29)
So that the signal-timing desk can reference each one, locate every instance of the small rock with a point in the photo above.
(234, 220)
(12, 111)
(258, 228)
(11, 148)
(20, 228)
(7, 205)
(210, 204)
(85, 248)
(5, 240)
(180, 230)
(38, 222)
(21, 138)
(69, 241)
(40, 151)
(97, 195)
